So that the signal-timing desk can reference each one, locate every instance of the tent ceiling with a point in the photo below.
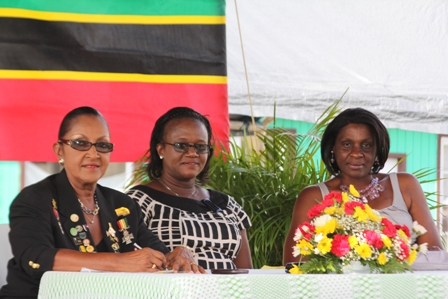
(303, 55)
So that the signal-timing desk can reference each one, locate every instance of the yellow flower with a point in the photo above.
(339, 211)
(353, 241)
(295, 269)
(364, 250)
(330, 210)
(382, 258)
(345, 197)
(371, 214)
(387, 242)
(305, 247)
(360, 214)
(328, 228)
(324, 245)
(402, 235)
(353, 191)
(412, 256)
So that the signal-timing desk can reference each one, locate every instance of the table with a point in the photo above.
(258, 284)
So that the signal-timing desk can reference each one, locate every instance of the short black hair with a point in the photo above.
(355, 116)
(67, 121)
(155, 165)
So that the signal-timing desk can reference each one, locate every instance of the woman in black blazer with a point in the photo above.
(68, 222)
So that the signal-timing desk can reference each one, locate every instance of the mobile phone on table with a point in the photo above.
(230, 271)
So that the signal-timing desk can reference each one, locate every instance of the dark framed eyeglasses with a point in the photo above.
(182, 147)
(84, 145)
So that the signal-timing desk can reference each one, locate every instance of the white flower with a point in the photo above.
(423, 248)
(298, 235)
(296, 251)
(316, 251)
(322, 220)
(419, 229)
(318, 237)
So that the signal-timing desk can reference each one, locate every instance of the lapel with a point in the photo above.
(109, 224)
(73, 221)
(70, 214)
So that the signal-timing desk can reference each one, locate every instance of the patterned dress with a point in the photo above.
(214, 235)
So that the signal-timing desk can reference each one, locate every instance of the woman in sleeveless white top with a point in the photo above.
(354, 148)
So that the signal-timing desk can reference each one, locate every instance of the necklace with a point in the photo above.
(90, 212)
(371, 192)
(169, 189)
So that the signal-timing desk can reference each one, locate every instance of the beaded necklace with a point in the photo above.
(371, 192)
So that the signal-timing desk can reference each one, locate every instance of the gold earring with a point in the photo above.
(61, 161)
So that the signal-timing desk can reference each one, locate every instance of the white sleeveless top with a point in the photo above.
(397, 213)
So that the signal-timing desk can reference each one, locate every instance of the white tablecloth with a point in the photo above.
(258, 284)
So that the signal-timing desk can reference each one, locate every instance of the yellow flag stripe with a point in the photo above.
(109, 19)
(112, 77)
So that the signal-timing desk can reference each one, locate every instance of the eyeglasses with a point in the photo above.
(182, 147)
(84, 145)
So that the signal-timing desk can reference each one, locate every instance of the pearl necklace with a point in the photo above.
(169, 189)
(371, 192)
(90, 212)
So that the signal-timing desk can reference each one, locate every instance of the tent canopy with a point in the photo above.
(303, 55)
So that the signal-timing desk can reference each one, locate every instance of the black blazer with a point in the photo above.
(36, 235)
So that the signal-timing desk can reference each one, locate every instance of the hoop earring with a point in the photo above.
(332, 158)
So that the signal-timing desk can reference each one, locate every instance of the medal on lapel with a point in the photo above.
(124, 226)
(111, 234)
(56, 214)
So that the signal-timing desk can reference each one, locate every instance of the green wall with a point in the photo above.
(9, 186)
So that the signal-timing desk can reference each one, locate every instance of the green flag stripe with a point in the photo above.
(127, 7)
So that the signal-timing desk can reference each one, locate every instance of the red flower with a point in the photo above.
(404, 251)
(373, 239)
(389, 228)
(350, 206)
(340, 245)
(307, 234)
(330, 198)
(404, 228)
(315, 211)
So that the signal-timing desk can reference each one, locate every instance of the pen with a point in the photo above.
(139, 247)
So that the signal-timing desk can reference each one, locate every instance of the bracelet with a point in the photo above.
(189, 248)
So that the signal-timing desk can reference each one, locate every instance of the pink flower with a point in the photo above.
(373, 239)
(389, 228)
(350, 206)
(340, 245)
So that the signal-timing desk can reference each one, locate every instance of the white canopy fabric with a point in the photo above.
(303, 55)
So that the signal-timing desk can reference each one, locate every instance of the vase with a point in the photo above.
(355, 267)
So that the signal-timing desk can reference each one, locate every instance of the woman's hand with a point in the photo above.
(181, 257)
(144, 260)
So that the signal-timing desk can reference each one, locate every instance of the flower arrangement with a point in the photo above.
(343, 230)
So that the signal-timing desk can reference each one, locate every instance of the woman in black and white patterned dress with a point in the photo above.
(175, 206)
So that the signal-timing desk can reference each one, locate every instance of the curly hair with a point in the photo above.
(155, 165)
(355, 116)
